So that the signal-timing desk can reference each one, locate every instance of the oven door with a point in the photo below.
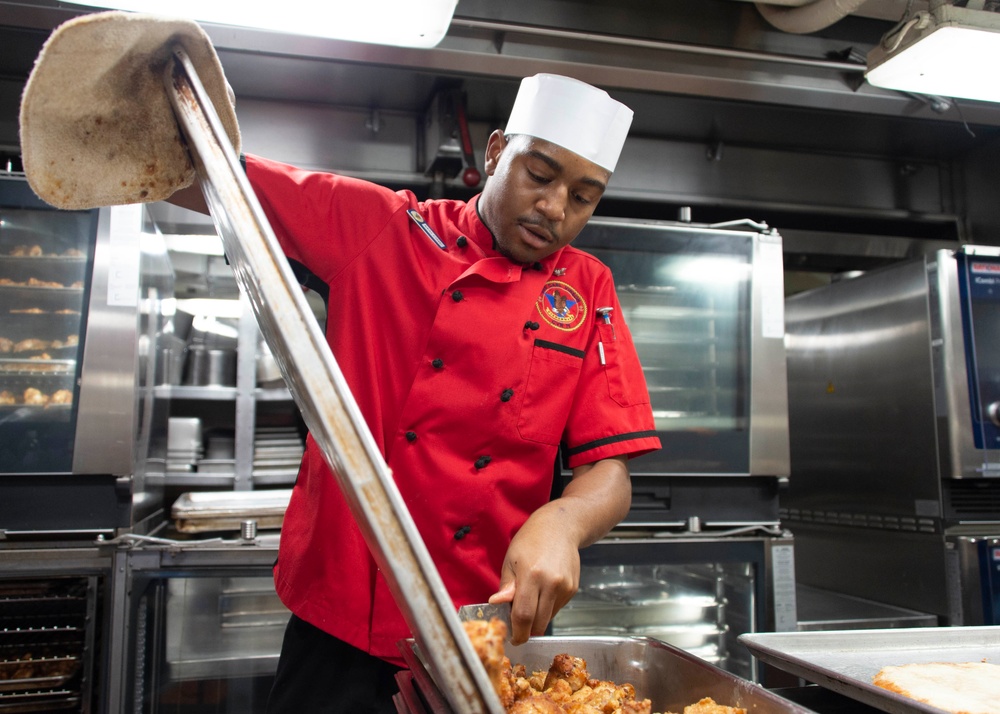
(974, 571)
(705, 307)
(978, 291)
(698, 594)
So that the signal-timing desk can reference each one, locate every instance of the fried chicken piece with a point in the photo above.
(487, 639)
(30, 345)
(537, 680)
(580, 708)
(537, 704)
(26, 251)
(61, 396)
(571, 669)
(38, 283)
(559, 692)
(28, 311)
(708, 706)
(35, 397)
(636, 706)
(6, 345)
(7, 399)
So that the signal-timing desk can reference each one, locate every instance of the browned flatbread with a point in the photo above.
(958, 687)
(97, 128)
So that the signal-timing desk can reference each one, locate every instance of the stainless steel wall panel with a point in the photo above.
(769, 446)
(906, 570)
(345, 138)
(861, 397)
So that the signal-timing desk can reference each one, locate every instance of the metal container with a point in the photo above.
(669, 677)
(215, 511)
(210, 367)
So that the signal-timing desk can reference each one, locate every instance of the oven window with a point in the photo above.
(686, 299)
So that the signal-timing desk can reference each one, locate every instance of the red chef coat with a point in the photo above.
(469, 369)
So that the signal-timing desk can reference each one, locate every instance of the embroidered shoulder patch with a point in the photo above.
(561, 306)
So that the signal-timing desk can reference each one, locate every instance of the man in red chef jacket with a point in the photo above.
(470, 335)
(476, 342)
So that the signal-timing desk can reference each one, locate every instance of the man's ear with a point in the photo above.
(494, 147)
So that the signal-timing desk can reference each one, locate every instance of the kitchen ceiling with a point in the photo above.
(707, 70)
(711, 75)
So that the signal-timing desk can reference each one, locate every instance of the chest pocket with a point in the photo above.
(626, 384)
(551, 384)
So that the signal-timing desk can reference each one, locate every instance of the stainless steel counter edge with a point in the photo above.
(32, 559)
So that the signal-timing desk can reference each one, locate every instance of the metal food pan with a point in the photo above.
(846, 661)
(33, 674)
(588, 609)
(219, 511)
(232, 504)
(669, 677)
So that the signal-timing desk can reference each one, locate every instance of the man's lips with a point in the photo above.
(535, 235)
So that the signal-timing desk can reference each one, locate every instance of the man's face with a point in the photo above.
(538, 196)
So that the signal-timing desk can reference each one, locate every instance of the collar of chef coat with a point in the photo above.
(493, 266)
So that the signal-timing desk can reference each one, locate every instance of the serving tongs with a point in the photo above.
(322, 394)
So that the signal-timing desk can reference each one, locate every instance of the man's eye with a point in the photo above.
(537, 178)
(583, 200)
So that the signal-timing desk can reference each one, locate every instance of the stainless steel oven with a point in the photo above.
(696, 593)
(701, 557)
(83, 296)
(894, 401)
(705, 307)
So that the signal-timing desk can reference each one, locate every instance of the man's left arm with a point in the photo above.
(541, 570)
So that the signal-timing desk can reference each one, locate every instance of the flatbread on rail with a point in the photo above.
(957, 687)
(97, 128)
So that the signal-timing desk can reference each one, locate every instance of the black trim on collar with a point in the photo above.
(609, 440)
(560, 348)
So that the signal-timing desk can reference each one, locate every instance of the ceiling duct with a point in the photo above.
(807, 18)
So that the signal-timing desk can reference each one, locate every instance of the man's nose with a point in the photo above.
(552, 204)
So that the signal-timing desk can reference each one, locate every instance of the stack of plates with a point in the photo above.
(277, 452)
(184, 444)
(219, 456)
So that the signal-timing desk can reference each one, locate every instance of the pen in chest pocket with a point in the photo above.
(604, 313)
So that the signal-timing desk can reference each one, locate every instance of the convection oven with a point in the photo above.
(705, 307)
(702, 556)
(82, 295)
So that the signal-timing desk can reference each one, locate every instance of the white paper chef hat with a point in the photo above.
(572, 114)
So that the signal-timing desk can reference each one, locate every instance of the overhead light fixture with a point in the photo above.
(404, 23)
(946, 51)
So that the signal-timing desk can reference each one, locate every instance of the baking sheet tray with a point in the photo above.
(206, 511)
(846, 661)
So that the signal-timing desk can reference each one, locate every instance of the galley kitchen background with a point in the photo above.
(744, 136)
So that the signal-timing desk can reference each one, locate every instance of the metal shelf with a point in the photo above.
(188, 392)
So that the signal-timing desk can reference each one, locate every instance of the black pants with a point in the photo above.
(319, 674)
